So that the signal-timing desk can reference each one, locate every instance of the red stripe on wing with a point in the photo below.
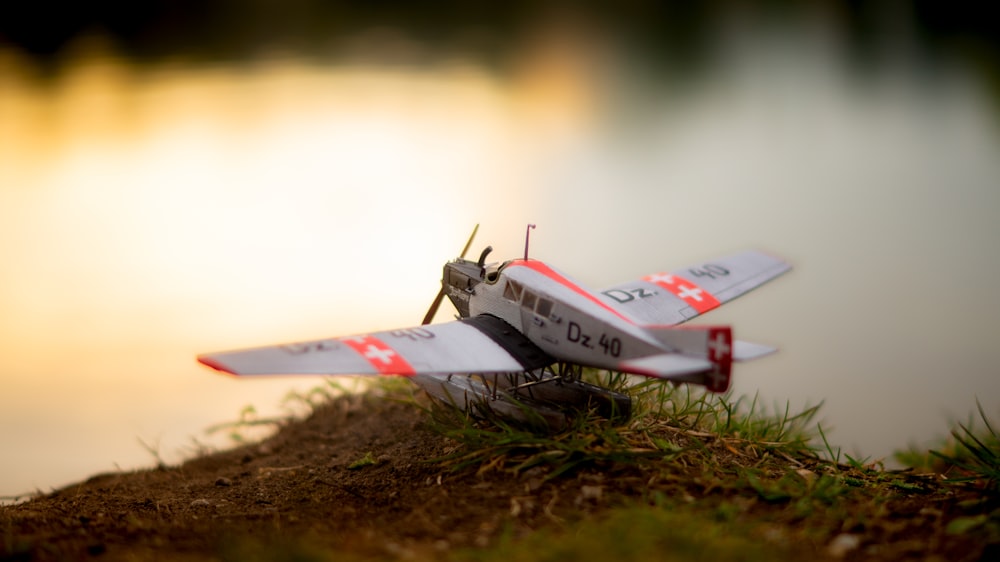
(384, 358)
(688, 291)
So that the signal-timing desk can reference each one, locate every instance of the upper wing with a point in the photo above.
(483, 344)
(678, 296)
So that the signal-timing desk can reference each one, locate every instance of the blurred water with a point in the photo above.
(151, 212)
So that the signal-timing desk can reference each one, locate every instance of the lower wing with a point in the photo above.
(483, 344)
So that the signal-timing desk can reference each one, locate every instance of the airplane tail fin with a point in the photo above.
(698, 354)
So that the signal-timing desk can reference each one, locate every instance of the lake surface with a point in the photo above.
(152, 212)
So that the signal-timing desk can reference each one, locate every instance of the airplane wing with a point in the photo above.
(483, 344)
(674, 297)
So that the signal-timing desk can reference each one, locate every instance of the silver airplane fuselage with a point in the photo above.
(557, 314)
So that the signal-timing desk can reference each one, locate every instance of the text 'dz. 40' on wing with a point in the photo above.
(673, 297)
(454, 347)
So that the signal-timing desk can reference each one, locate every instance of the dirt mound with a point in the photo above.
(357, 480)
(353, 476)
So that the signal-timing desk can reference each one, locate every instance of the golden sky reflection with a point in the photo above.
(147, 215)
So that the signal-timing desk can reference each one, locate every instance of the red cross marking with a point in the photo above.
(720, 352)
(384, 358)
(720, 348)
(699, 299)
(686, 292)
(660, 278)
(716, 378)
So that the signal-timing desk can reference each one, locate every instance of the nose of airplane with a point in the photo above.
(445, 282)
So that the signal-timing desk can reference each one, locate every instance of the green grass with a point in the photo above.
(249, 426)
(971, 455)
(367, 460)
(667, 423)
(637, 533)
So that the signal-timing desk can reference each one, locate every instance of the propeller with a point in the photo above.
(440, 296)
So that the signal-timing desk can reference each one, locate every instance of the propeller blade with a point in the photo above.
(465, 250)
(434, 308)
(440, 296)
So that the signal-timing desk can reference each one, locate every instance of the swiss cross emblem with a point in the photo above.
(688, 291)
(720, 353)
(383, 358)
(720, 347)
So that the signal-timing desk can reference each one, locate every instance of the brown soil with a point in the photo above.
(299, 491)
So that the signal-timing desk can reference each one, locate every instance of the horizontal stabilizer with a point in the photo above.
(745, 351)
(698, 354)
(681, 368)
(667, 365)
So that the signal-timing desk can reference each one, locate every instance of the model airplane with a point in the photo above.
(524, 331)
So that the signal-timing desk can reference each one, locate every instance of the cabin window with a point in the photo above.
(529, 300)
(544, 307)
(512, 291)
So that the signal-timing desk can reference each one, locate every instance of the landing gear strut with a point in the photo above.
(551, 393)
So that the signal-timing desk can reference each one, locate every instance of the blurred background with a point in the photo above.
(186, 176)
